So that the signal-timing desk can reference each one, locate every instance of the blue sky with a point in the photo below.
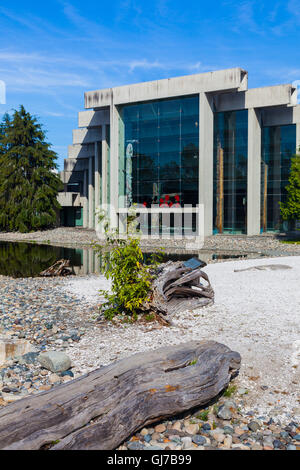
(51, 52)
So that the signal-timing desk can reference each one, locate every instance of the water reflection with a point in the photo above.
(18, 259)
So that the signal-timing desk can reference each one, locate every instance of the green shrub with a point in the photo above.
(123, 264)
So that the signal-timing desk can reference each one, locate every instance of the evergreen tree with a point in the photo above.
(290, 210)
(28, 183)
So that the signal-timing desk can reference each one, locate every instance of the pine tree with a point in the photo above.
(28, 183)
(290, 210)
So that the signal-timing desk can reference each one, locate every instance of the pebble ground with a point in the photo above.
(40, 311)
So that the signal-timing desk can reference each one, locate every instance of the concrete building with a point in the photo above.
(203, 139)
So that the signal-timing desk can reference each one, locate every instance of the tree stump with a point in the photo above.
(102, 408)
(178, 288)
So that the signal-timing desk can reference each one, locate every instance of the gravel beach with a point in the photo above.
(256, 313)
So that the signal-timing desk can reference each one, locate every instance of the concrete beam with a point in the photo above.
(87, 136)
(72, 164)
(68, 199)
(229, 79)
(80, 151)
(93, 118)
(278, 95)
(254, 169)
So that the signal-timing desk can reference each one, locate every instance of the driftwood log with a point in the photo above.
(102, 408)
(178, 288)
(59, 268)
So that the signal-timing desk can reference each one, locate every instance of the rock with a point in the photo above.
(54, 378)
(177, 426)
(144, 432)
(218, 435)
(224, 413)
(192, 428)
(135, 445)
(199, 440)
(55, 361)
(254, 426)
(29, 358)
(67, 373)
(206, 427)
(278, 444)
(228, 430)
(256, 446)
(227, 442)
(160, 428)
(187, 442)
(297, 437)
(11, 348)
(291, 447)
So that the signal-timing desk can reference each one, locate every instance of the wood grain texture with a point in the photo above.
(178, 288)
(120, 398)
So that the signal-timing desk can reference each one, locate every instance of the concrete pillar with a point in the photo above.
(114, 165)
(85, 261)
(97, 181)
(254, 169)
(91, 194)
(85, 200)
(104, 166)
(206, 159)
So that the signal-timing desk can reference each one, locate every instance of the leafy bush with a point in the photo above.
(290, 210)
(123, 264)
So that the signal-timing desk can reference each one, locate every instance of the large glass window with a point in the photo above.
(278, 146)
(230, 171)
(159, 152)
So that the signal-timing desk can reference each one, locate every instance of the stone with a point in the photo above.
(55, 361)
(10, 398)
(160, 428)
(278, 444)
(67, 373)
(291, 447)
(206, 427)
(135, 445)
(192, 428)
(54, 378)
(256, 446)
(297, 437)
(227, 442)
(187, 442)
(228, 430)
(11, 348)
(199, 440)
(29, 358)
(144, 432)
(224, 413)
(177, 426)
(218, 436)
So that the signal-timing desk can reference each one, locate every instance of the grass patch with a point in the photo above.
(230, 390)
(203, 415)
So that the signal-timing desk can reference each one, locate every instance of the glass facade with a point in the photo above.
(278, 146)
(159, 152)
(230, 171)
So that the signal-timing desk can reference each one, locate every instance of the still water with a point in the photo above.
(30, 259)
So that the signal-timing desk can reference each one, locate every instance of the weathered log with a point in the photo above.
(59, 268)
(172, 290)
(102, 408)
